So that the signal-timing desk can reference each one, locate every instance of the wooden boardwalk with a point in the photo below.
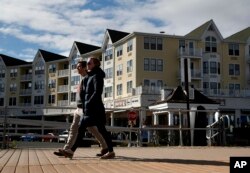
(132, 160)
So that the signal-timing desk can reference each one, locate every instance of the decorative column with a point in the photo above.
(192, 124)
(112, 119)
(156, 118)
(170, 118)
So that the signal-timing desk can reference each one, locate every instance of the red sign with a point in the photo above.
(132, 115)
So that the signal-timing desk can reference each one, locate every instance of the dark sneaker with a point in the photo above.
(103, 152)
(109, 155)
(57, 153)
(68, 153)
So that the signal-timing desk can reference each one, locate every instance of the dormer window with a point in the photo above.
(210, 43)
(13, 72)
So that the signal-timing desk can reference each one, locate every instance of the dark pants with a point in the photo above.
(88, 122)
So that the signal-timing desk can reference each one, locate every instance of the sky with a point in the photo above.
(53, 25)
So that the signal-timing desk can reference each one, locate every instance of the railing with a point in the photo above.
(26, 77)
(63, 103)
(63, 88)
(168, 135)
(25, 91)
(190, 52)
(63, 72)
(214, 131)
(227, 92)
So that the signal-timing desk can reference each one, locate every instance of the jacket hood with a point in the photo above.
(98, 71)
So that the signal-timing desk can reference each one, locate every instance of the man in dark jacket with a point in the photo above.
(94, 111)
(93, 102)
(73, 134)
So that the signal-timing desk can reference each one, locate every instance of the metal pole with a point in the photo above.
(4, 128)
(187, 91)
(187, 88)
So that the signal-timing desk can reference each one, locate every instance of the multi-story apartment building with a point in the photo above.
(138, 67)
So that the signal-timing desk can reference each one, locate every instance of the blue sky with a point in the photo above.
(29, 25)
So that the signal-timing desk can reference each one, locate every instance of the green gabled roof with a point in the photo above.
(241, 36)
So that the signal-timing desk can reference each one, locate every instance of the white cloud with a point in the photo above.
(57, 23)
(27, 54)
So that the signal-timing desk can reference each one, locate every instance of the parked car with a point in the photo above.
(49, 137)
(63, 136)
(30, 137)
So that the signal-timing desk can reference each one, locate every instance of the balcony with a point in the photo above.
(226, 92)
(63, 73)
(63, 103)
(63, 88)
(146, 90)
(25, 91)
(196, 73)
(25, 104)
(191, 53)
(26, 77)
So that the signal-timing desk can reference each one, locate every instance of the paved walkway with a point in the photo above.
(128, 160)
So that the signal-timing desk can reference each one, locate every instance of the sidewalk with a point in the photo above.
(128, 160)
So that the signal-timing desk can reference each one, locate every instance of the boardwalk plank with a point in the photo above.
(9, 169)
(5, 158)
(24, 158)
(2, 153)
(33, 159)
(22, 165)
(74, 168)
(86, 168)
(14, 158)
(53, 160)
(42, 158)
(35, 169)
(22, 169)
(48, 169)
(62, 169)
(134, 160)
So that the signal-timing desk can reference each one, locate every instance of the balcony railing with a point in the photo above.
(25, 104)
(196, 73)
(64, 72)
(26, 77)
(188, 52)
(208, 92)
(227, 92)
(63, 103)
(25, 91)
(146, 90)
(63, 88)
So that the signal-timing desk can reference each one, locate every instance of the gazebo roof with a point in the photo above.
(178, 95)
